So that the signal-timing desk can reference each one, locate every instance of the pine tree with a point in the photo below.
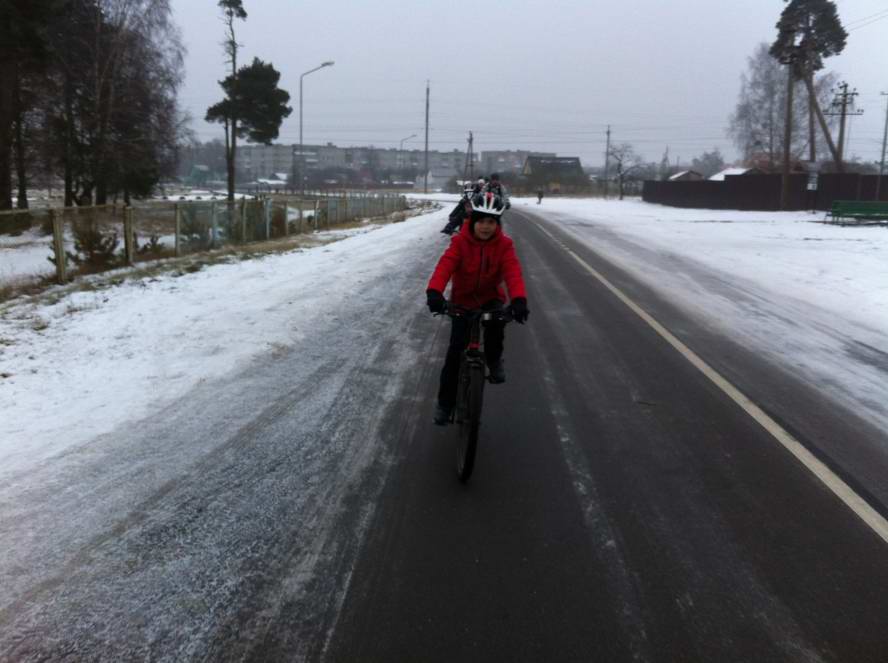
(808, 32)
(254, 106)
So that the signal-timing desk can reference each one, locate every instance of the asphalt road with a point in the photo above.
(304, 508)
(623, 508)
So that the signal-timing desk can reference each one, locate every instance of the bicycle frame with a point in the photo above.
(470, 390)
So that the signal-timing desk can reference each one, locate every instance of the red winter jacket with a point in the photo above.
(478, 269)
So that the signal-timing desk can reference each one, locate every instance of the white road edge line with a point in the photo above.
(842, 490)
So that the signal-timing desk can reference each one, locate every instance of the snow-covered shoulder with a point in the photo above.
(813, 296)
(80, 367)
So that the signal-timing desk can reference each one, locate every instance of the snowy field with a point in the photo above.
(842, 269)
(24, 257)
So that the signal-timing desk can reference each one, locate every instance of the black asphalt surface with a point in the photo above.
(622, 507)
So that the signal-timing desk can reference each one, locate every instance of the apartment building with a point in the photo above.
(506, 161)
(262, 161)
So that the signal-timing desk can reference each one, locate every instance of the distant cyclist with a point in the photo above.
(464, 207)
(479, 259)
(497, 187)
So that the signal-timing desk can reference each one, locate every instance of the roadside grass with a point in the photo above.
(46, 291)
(25, 287)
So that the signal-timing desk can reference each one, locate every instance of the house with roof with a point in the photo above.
(686, 176)
(735, 170)
(555, 174)
(506, 161)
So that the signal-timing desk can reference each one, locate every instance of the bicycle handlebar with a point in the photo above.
(457, 311)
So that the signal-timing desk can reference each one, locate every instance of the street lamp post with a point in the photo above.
(401, 149)
(301, 151)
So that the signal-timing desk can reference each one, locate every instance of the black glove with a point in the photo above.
(518, 309)
(435, 301)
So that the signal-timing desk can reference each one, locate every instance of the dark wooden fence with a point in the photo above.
(762, 192)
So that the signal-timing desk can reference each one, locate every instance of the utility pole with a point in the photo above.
(884, 142)
(607, 152)
(789, 60)
(469, 170)
(787, 136)
(425, 188)
(812, 133)
(843, 100)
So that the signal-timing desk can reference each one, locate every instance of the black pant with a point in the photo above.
(494, 334)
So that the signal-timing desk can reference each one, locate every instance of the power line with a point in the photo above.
(875, 20)
(877, 16)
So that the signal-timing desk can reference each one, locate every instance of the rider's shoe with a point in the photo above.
(442, 415)
(497, 372)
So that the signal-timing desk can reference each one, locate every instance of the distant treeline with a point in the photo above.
(87, 97)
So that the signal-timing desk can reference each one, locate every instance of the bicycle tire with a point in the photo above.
(472, 397)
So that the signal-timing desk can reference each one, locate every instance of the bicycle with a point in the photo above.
(473, 373)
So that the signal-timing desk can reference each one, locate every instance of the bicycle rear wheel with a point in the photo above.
(471, 396)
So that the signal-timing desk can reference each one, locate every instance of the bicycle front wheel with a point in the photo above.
(472, 395)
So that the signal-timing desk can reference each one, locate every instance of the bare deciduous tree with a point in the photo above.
(626, 160)
(757, 121)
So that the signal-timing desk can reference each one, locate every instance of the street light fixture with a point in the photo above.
(329, 63)
(406, 139)
(401, 149)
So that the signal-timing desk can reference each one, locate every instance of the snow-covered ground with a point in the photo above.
(74, 370)
(842, 269)
(24, 256)
(142, 426)
(255, 395)
(811, 296)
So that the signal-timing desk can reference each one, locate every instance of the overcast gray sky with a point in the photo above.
(521, 74)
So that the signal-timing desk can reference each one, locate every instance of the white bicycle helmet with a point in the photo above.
(487, 203)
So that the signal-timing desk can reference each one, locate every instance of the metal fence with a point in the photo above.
(42, 245)
(763, 192)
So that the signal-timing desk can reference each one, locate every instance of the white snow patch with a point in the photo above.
(76, 369)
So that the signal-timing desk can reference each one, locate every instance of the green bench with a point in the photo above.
(858, 212)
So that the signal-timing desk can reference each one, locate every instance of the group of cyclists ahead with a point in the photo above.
(479, 259)
(463, 208)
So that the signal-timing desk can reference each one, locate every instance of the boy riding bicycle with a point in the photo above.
(478, 260)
